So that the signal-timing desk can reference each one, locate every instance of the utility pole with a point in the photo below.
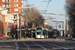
(66, 26)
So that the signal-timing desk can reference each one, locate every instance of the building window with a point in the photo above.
(8, 0)
(8, 9)
(3, 0)
(15, 9)
(8, 5)
(22, 1)
(3, 5)
(16, 5)
(15, 0)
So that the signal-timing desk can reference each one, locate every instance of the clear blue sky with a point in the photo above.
(55, 6)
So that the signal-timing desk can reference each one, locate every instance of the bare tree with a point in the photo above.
(70, 10)
(33, 16)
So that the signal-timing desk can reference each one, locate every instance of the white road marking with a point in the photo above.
(39, 45)
(68, 42)
(65, 43)
(59, 46)
(62, 43)
(53, 44)
(17, 47)
(26, 45)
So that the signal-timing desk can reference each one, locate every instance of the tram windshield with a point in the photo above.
(39, 28)
(38, 33)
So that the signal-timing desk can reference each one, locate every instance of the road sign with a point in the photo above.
(59, 26)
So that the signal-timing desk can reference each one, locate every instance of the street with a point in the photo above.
(38, 45)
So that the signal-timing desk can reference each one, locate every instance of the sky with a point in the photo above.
(55, 6)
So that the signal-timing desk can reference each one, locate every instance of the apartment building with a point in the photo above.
(12, 5)
(12, 9)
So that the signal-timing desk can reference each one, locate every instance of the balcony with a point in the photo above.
(8, 7)
(7, 3)
(8, 12)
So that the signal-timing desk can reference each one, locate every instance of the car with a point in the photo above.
(2, 37)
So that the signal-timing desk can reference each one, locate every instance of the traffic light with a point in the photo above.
(15, 15)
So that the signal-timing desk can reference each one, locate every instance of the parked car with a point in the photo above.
(2, 37)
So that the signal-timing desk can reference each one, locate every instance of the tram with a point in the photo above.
(42, 33)
(55, 33)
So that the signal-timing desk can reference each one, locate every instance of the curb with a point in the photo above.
(32, 39)
(59, 39)
(6, 46)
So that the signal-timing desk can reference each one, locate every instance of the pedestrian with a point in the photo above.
(14, 36)
(31, 35)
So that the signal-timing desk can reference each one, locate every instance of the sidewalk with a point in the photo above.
(32, 39)
(66, 38)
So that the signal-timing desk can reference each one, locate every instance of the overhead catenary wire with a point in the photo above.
(48, 4)
(27, 2)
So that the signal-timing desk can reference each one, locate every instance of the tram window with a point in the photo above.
(55, 31)
(39, 28)
(43, 33)
(38, 33)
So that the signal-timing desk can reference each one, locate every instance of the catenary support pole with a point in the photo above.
(20, 22)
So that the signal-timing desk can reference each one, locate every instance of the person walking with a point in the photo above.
(14, 36)
(31, 35)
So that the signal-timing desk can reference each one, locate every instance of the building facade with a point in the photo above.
(12, 5)
(7, 17)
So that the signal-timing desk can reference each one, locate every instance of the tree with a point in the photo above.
(70, 10)
(48, 27)
(33, 16)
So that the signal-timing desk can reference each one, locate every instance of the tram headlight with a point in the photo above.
(36, 36)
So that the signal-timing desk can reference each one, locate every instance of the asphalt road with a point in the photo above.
(37, 45)
(7, 46)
